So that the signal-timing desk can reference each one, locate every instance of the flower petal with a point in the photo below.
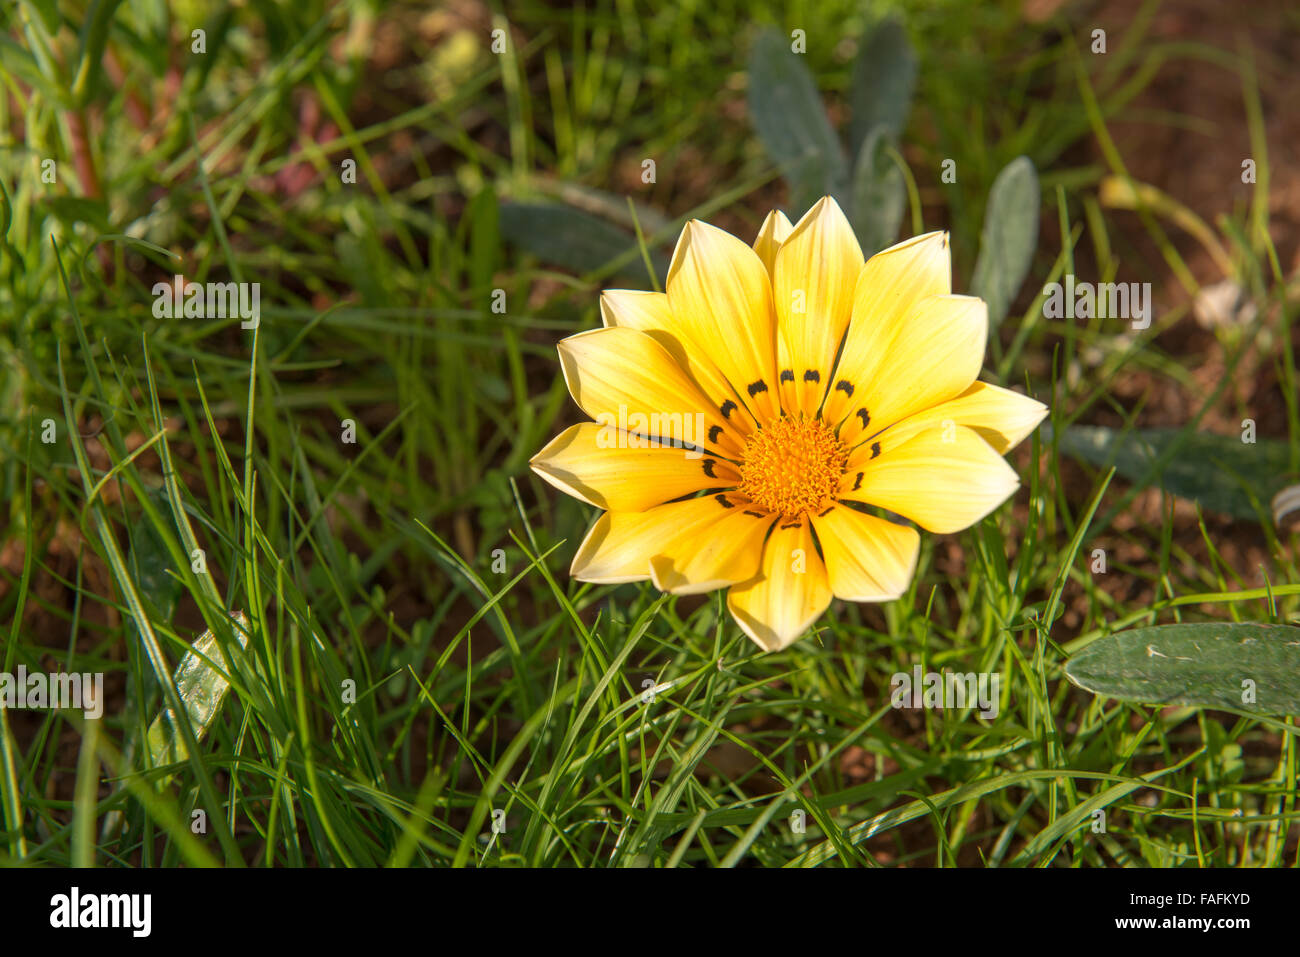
(813, 285)
(934, 355)
(698, 544)
(890, 286)
(722, 300)
(790, 592)
(650, 313)
(636, 309)
(624, 377)
(625, 472)
(867, 558)
(724, 553)
(1001, 417)
(776, 227)
(943, 477)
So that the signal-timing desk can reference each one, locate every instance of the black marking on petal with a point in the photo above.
(845, 386)
(793, 525)
(812, 375)
(857, 482)
(722, 500)
(865, 416)
(715, 432)
(754, 388)
(749, 511)
(708, 468)
(827, 512)
(728, 407)
(875, 449)
(787, 375)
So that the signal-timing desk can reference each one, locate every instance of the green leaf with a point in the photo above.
(575, 240)
(48, 11)
(1242, 667)
(884, 78)
(6, 211)
(1010, 237)
(879, 194)
(19, 62)
(148, 562)
(1220, 473)
(788, 115)
(94, 37)
(363, 265)
(79, 209)
(484, 238)
(202, 688)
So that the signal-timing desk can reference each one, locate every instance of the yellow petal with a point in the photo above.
(690, 546)
(625, 472)
(650, 313)
(790, 592)
(722, 300)
(776, 227)
(889, 287)
(636, 309)
(724, 553)
(867, 558)
(813, 285)
(623, 377)
(1001, 417)
(944, 478)
(934, 355)
(619, 546)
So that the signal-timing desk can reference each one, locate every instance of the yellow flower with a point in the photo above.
(746, 417)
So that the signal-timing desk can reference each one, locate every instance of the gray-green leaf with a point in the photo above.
(1243, 667)
(879, 195)
(884, 77)
(568, 237)
(788, 114)
(1009, 239)
(1220, 473)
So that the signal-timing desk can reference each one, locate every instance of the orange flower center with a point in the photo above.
(792, 466)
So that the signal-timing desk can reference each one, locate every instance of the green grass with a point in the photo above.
(417, 660)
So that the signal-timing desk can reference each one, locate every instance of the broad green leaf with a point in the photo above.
(1218, 472)
(1009, 239)
(568, 237)
(788, 115)
(202, 688)
(1243, 667)
(879, 194)
(884, 77)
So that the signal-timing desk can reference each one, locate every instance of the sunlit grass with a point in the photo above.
(419, 666)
